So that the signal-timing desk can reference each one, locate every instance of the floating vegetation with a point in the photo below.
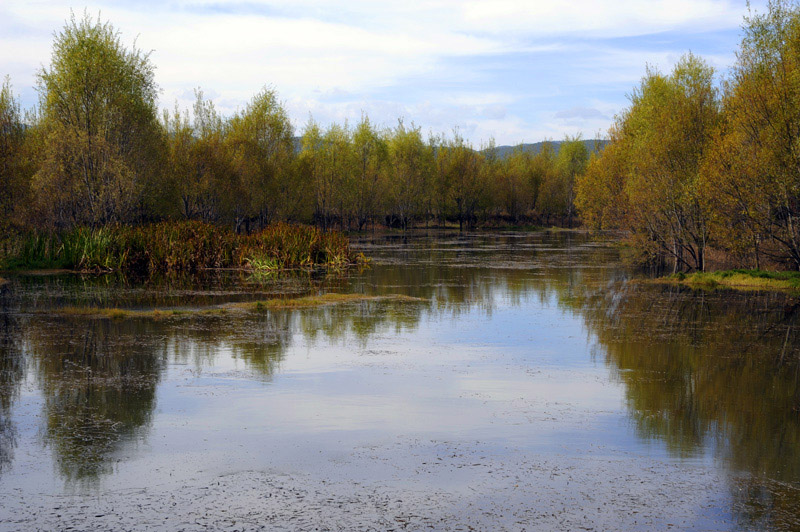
(321, 300)
(181, 247)
(229, 308)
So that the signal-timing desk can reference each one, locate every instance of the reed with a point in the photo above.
(180, 247)
(283, 246)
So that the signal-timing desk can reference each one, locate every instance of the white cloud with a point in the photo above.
(408, 58)
(593, 18)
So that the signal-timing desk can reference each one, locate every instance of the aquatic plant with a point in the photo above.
(741, 279)
(304, 302)
(295, 246)
(190, 246)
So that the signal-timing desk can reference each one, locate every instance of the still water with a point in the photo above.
(534, 387)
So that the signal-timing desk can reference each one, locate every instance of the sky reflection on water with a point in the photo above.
(531, 352)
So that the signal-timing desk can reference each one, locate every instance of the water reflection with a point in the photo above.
(98, 379)
(11, 374)
(260, 340)
(708, 374)
(715, 372)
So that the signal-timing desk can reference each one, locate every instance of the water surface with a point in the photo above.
(534, 387)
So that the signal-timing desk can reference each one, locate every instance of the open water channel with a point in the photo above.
(533, 387)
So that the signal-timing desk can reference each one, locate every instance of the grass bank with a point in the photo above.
(252, 306)
(181, 247)
(739, 279)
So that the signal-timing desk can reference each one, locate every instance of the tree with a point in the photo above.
(261, 140)
(552, 197)
(649, 178)
(338, 170)
(668, 129)
(515, 184)
(754, 174)
(316, 167)
(600, 196)
(409, 171)
(460, 180)
(571, 162)
(102, 137)
(199, 164)
(371, 153)
(14, 161)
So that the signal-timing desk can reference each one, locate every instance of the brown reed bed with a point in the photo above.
(181, 247)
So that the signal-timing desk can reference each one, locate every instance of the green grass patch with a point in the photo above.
(738, 279)
(321, 300)
(252, 306)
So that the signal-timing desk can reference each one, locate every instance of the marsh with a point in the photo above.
(511, 380)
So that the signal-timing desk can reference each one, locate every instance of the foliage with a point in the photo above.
(686, 167)
(95, 154)
(101, 138)
(754, 170)
(648, 180)
(170, 247)
(14, 161)
(410, 169)
(260, 141)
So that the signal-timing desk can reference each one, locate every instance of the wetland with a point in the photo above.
(489, 381)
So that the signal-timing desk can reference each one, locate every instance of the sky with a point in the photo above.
(507, 70)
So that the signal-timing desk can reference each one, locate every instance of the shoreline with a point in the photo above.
(735, 279)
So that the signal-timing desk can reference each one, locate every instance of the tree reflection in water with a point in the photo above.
(712, 371)
(707, 373)
(11, 375)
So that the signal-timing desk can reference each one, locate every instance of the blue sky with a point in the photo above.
(509, 70)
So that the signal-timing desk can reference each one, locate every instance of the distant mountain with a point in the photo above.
(536, 147)
(505, 151)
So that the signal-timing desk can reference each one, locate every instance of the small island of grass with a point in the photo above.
(738, 279)
(311, 301)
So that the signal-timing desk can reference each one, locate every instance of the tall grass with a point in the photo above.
(743, 279)
(291, 246)
(181, 247)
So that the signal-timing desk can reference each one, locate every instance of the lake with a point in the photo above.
(533, 386)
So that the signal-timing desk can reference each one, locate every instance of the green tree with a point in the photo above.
(15, 164)
(515, 184)
(572, 159)
(600, 196)
(177, 170)
(754, 174)
(371, 154)
(327, 160)
(201, 168)
(552, 197)
(409, 174)
(261, 140)
(461, 180)
(650, 177)
(668, 129)
(102, 137)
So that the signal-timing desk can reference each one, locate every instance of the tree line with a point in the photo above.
(96, 151)
(694, 164)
